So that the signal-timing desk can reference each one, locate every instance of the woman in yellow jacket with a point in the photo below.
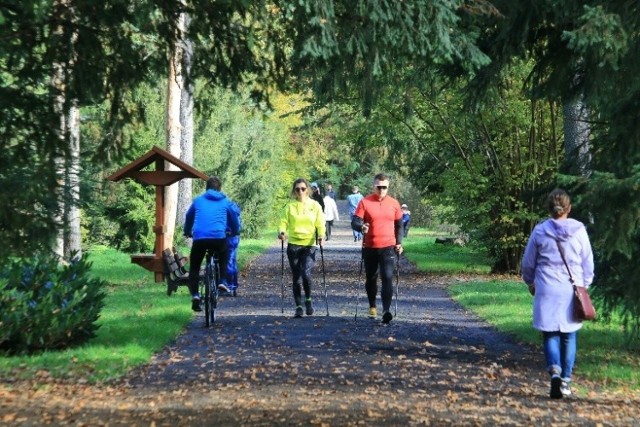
(302, 222)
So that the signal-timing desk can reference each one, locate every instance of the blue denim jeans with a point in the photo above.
(560, 352)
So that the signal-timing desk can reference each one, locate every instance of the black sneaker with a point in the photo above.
(309, 307)
(386, 317)
(556, 387)
(299, 311)
(195, 304)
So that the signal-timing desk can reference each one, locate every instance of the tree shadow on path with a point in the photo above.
(435, 363)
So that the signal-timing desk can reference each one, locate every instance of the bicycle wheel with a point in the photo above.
(207, 293)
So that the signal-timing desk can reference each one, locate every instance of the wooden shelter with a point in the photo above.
(160, 177)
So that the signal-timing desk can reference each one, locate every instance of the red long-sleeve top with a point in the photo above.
(381, 216)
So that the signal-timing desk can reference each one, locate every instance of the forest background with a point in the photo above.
(476, 109)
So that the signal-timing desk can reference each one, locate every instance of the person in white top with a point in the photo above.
(330, 214)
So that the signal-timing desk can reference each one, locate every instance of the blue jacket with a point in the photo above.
(406, 218)
(209, 215)
(235, 209)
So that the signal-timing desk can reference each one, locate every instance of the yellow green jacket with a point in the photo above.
(300, 220)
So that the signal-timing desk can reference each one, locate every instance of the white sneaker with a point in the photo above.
(222, 288)
(565, 389)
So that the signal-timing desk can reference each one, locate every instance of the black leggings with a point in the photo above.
(383, 260)
(302, 259)
(198, 251)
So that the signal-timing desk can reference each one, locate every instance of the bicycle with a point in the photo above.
(209, 288)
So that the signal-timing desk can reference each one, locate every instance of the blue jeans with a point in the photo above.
(560, 352)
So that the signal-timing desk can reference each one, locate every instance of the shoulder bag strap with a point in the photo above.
(565, 261)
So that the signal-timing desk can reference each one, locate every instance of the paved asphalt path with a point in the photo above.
(434, 364)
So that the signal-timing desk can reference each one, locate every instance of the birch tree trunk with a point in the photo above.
(73, 239)
(185, 193)
(59, 101)
(173, 131)
(577, 132)
(68, 237)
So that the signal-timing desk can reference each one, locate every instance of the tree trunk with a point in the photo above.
(185, 192)
(576, 137)
(73, 239)
(58, 83)
(173, 132)
(67, 216)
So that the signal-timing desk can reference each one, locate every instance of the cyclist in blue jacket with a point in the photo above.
(206, 221)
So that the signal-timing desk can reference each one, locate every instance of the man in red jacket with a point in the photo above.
(379, 217)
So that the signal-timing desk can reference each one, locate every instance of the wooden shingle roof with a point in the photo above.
(159, 177)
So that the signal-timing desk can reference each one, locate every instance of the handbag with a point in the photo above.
(583, 308)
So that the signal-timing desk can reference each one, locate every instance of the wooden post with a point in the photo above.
(160, 178)
(160, 226)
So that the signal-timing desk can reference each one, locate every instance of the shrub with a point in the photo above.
(45, 305)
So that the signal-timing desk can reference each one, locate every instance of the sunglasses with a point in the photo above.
(301, 188)
(381, 187)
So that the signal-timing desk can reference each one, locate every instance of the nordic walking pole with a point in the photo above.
(359, 276)
(395, 314)
(282, 273)
(324, 279)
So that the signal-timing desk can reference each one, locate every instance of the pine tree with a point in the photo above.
(585, 51)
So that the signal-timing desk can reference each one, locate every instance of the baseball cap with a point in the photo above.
(314, 185)
(404, 206)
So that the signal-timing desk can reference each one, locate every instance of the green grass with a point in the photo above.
(604, 354)
(420, 248)
(138, 320)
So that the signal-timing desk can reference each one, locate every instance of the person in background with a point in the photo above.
(315, 195)
(302, 223)
(379, 217)
(406, 219)
(352, 200)
(544, 271)
(233, 241)
(330, 214)
(207, 221)
(329, 191)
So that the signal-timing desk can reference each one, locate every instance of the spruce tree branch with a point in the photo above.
(492, 156)
(400, 118)
(448, 128)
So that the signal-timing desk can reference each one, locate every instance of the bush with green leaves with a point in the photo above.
(45, 305)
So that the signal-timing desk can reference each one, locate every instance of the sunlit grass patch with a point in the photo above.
(138, 319)
(420, 248)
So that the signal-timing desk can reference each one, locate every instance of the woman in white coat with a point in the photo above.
(330, 214)
(544, 271)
